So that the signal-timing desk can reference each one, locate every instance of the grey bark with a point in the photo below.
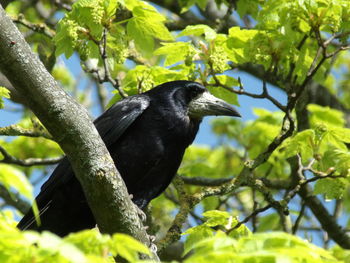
(71, 127)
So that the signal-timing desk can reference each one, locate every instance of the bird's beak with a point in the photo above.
(206, 104)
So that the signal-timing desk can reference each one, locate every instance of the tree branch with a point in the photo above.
(204, 181)
(14, 200)
(16, 130)
(39, 28)
(9, 159)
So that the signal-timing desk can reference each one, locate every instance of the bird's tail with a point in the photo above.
(30, 221)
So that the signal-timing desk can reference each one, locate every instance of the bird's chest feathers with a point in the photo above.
(176, 126)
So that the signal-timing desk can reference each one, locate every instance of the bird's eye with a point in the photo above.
(195, 91)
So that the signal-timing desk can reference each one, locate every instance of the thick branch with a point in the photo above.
(72, 128)
(329, 224)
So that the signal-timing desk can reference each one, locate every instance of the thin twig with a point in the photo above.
(224, 21)
(107, 75)
(253, 214)
(16, 130)
(299, 218)
(264, 94)
(255, 207)
(14, 200)
(204, 181)
(9, 159)
(62, 5)
(39, 28)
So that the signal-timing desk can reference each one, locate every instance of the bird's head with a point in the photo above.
(200, 102)
(203, 104)
(194, 98)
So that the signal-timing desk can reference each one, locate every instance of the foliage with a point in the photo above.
(4, 93)
(234, 193)
(240, 245)
(91, 246)
(85, 246)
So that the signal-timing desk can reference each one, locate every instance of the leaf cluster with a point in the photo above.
(210, 243)
(85, 246)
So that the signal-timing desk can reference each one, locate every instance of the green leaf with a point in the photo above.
(218, 248)
(64, 76)
(239, 232)
(268, 223)
(325, 115)
(89, 241)
(154, 21)
(66, 37)
(11, 177)
(250, 7)
(83, 26)
(25, 147)
(50, 244)
(223, 93)
(198, 30)
(127, 247)
(279, 247)
(342, 160)
(145, 25)
(341, 253)
(259, 133)
(140, 33)
(176, 52)
(303, 143)
(332, 188)
(4, 93)
(14, 8)
(196, 234)
(216, 217)
(239, 42)
(341, 134)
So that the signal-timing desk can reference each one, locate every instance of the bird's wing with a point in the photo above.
(112, 124)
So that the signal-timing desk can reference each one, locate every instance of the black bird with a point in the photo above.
(146, 135)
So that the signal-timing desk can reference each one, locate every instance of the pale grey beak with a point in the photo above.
(206, 104)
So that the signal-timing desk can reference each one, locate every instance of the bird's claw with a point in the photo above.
(152, 246)
(141, 214)
(152, 238)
